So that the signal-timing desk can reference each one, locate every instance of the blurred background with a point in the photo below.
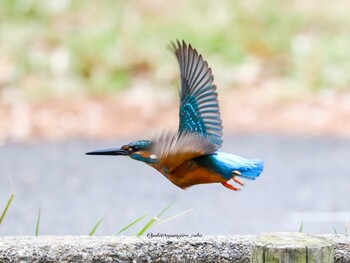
(76, 76)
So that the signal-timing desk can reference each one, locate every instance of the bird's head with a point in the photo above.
(138, 150)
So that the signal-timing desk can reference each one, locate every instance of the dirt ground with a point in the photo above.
(129, 115)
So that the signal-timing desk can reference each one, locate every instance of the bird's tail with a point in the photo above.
(239, 166)
(252, 169)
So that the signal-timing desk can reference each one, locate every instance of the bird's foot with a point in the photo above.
(229, 186)
(237, 181)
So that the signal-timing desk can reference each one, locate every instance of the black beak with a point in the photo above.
(111, 151)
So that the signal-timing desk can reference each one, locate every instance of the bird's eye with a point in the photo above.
(135, 148)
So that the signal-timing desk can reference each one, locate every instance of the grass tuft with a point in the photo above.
(130, 225)
(6, 207)
(162, 221)
(346, 228)
(301, 226)
(335, 231)
(38, 223)
(92, 232)
(154, 219)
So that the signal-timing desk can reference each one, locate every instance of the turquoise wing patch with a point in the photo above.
(199, 107)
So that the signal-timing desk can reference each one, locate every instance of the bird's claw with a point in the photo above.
(230, 186)
(237, 181)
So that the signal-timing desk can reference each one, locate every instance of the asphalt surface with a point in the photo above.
(306, 179)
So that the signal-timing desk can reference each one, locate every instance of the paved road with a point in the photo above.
(306, 178)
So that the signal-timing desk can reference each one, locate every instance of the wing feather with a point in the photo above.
(172, 149)
(199, 108)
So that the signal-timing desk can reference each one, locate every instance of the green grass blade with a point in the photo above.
(301, 226)
(176, 216)
(167, 207)
(92, 232)
(130, 225)
(6, 207)
(38, 223)
(154, 219)
(147, 226)
(346, 228)
(335, 231)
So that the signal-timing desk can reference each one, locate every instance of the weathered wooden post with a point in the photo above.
(291, 248)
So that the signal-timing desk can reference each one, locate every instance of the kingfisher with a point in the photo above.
(190, 155)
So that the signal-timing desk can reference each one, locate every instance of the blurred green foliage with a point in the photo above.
(59, 47)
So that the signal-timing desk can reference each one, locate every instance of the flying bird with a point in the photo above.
(190, 156)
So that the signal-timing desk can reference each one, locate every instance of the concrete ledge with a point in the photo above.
(143, 249)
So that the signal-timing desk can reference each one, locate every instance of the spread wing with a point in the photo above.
(172, 149)
(199, 108)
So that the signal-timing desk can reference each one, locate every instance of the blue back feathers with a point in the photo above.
(199, 108)
(225, 163)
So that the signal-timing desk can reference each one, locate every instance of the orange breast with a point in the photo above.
(188, 174)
